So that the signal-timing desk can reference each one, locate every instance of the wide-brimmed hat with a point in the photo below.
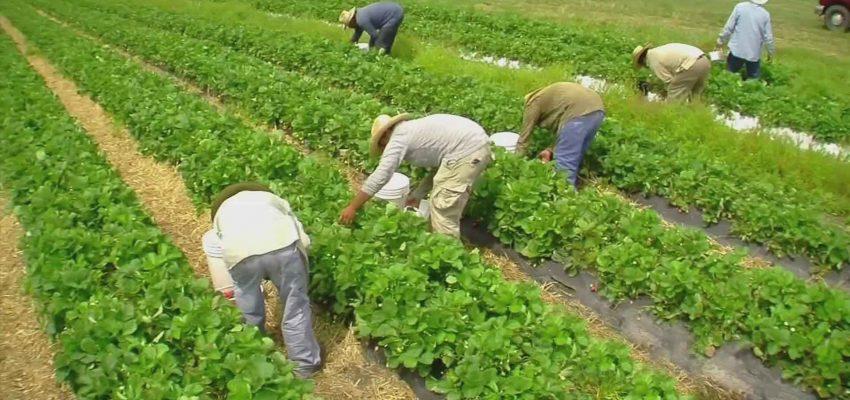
(759, 2)
(638, 53)
(346, 16)
(382, 125)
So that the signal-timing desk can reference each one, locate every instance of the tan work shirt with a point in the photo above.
(553, 106)
(668, 60)
(426, 142)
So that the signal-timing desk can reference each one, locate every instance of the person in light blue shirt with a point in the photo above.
(747, 31)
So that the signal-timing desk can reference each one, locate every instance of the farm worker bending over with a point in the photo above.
(457, 149)
(684, 68)
(262, 239)
(747, 31)
(380, 20)
(574, 112)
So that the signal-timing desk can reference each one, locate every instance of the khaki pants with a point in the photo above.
(689, 84)
(452, 187)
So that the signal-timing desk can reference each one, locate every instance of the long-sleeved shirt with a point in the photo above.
(373, 17)
(668, 60)
(553, 106)
(747, 31)
(426, 142)
(254, 223)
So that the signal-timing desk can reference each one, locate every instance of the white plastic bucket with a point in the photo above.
(715, 56)
(506, 140)
(396, 190)
(362, 46)
(424, 209)
(222, 281)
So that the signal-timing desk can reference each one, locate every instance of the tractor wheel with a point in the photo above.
(836, 18)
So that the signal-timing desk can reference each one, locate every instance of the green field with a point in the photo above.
(802, 40)
(271, 91)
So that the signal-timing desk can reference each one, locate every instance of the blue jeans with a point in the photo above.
(387, 34)
(573, 141)
(287, 269)
(734, 64)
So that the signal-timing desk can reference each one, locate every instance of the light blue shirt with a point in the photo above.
(747, 31)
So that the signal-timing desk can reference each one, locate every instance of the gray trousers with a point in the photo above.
(287, 269)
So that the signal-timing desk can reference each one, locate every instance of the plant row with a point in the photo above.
(603, 53)
(436, 308)
(763, 208)
(131, 319)
(527, 205)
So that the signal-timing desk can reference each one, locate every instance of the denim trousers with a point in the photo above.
(287, 269)
(574, 139)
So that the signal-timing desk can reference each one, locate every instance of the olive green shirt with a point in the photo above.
(553, 106)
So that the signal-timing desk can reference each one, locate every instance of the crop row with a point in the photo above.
(435, 308)
(528, 206)
(763, 208)
(131, 319)
(603, 53)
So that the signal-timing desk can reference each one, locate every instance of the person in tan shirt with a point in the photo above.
(572, 111)
(683, 68)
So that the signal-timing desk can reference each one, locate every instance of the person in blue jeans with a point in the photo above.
(574, 112)
(261, 239)
(747, 31)
(380, 20)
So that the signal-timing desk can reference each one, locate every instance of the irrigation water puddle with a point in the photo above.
(733, 365)
(731, 119)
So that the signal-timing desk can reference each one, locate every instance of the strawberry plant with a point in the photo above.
(130, 318)
(375, 265)
(601, 52)
(629, 153)
(586, 229)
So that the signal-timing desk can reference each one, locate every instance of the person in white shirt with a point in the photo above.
(454, 148)
(747, 31)
(263, 240)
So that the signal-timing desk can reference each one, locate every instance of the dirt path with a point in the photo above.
(347, 373)
(26, 353)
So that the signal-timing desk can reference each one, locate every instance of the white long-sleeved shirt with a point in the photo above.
(254, 223)
(747, 31)
(426, 142)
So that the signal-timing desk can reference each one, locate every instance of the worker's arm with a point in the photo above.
(529, 121)
(768, 39)
(729, 28)
(390, 161)
(425, 186)
(358, 32)
(371, 29)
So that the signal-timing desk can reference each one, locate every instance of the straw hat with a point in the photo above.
(638, 53)
(383, 125)
(759, 2)
(346, 16)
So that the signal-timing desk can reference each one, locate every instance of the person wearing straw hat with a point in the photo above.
(380, 20)
(572, 111)
(747, 31)
(685, 69)
(262, 239)
(456, 149)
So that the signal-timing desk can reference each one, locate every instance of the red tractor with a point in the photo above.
(836, 14)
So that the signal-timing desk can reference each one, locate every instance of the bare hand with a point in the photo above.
(545, 155)
(347, 216)
(412, 202)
